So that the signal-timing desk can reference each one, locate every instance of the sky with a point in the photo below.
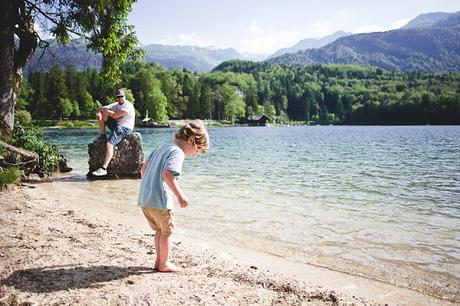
(264, 26)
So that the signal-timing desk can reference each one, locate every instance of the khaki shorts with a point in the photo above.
(160, 220)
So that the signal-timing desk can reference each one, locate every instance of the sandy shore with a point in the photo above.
(59, 251)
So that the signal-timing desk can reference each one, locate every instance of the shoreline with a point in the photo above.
(91, 124)
(61, 252)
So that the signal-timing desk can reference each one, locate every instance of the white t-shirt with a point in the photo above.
(127, 120)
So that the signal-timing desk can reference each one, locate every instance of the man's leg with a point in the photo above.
(116, 135)
(101, 119)
(108, 154)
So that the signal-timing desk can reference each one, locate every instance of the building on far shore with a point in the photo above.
(257, 120)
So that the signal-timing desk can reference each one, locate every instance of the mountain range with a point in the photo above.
(426, 20)
(429, 42)
(178, 57)
(310, 43)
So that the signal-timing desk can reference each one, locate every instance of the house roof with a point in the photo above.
(257, 117)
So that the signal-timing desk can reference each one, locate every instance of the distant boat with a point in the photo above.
(146, 119)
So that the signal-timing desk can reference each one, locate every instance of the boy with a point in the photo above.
(159, 173)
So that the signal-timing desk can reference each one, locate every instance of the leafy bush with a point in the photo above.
(23, 117)
(32, 139)
(10, 176)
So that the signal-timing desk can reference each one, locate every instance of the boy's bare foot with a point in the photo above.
(169, 267)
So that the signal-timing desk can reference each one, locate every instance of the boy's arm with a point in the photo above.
(143, 167)
(170, 180)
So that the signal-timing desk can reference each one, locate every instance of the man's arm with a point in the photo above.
(170, 180)
(114, 115)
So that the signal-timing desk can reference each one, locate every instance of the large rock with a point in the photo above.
(127, 160)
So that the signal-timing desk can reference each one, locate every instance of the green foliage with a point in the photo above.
(234, 105)
(23, 117)
(156, 104)
(103, 23)
(10, 176)
(65, 107)
(32, 139)
(337, 94)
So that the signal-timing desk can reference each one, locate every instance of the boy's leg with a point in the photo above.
(165, 246)
(157, 248)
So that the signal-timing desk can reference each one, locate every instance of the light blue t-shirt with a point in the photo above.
(154, 192)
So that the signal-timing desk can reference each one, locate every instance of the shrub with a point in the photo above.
(23, 117)
(10, 176)
(32, 139)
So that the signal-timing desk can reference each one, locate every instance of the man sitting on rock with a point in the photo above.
(119, 118)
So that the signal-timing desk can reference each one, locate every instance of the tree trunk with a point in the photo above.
(7, 71)
(15, 19)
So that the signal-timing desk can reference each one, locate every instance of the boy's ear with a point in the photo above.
(190, 140)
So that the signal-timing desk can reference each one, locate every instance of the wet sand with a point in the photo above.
(61, 246)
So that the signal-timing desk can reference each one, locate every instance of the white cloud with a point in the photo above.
(191, 39)
(254, 28)
(376, 28)
(321, 28)
(259, 40)
(399, 23)
(183, 39)
(368, 29)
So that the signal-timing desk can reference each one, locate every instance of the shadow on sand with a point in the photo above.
(51, 279)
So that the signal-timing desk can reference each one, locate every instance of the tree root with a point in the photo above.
(11, 156)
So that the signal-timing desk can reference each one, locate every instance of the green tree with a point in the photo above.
(87, 105)
(56, 92)
(65, 107)
(157, 103)
(206, 106)
(234, 105)
(102, 23)
(173, 92)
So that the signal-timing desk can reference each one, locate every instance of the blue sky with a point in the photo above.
(264, 26)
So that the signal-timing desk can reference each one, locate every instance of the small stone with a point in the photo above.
(130, 282)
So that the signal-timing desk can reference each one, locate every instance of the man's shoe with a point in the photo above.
(99, 172)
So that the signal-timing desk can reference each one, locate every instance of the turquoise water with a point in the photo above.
(382, 202)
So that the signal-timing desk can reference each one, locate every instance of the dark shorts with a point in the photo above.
(117, 132)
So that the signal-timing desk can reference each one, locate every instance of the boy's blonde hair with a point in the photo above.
(197, 131)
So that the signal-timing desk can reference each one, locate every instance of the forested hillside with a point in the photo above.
(339, 94)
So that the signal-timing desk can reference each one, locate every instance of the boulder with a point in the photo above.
(127, 160)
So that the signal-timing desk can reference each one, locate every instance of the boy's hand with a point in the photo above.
(183, 201)
(170, 180)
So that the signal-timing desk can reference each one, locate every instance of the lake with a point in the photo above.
(377, 201)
